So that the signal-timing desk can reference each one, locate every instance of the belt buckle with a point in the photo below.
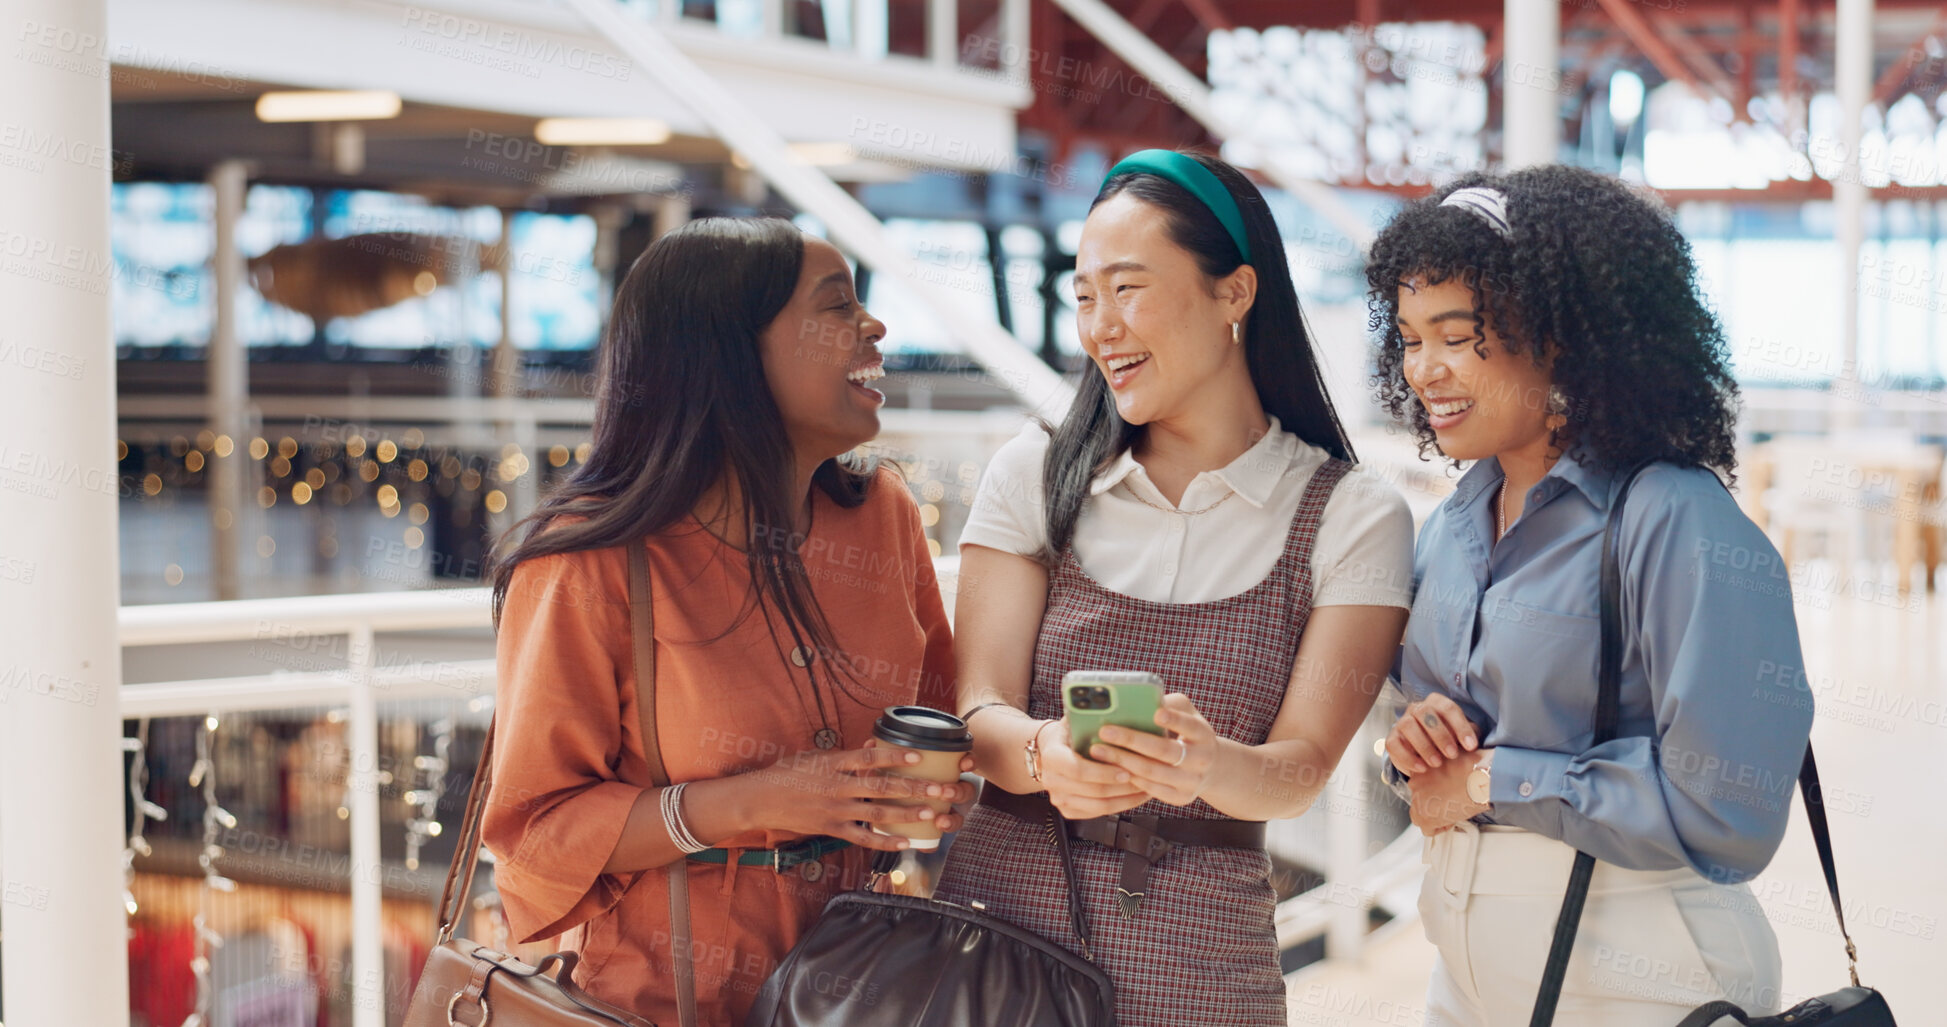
(777, 860)
(1463, 843)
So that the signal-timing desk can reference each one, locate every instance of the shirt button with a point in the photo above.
(1456, 680)
(1169, 568)
(1527, 788)
(801, 656)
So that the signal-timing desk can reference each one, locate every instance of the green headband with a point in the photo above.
(1199, 180)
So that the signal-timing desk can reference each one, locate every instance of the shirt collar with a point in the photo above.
(1596, 483)
(1579, 472)
(1253, 475)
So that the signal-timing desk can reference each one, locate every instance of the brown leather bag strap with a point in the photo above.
(466, 849)
(642, 639)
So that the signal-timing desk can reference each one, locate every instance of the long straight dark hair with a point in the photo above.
(682, 402)
(1277, 344)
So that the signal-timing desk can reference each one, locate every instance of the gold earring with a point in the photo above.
(1237, 333)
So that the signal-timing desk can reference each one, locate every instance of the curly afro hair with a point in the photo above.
(1595, 275)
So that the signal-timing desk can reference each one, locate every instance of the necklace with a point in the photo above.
(1501, 510)
(1186, 513)
(823, 737)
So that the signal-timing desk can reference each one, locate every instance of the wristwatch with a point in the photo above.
(1032, 751)
(1480, 779)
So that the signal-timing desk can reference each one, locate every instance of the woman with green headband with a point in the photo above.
(1195, 517)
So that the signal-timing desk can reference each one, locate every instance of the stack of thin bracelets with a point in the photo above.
(671, 802)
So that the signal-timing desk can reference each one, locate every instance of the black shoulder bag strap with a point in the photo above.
(1608, 705)
(1607, 713)
(1808, 785)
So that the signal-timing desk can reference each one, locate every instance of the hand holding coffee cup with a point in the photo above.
(944, 747)
(840, 793)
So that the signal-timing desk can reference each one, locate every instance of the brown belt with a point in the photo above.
(1144, 840)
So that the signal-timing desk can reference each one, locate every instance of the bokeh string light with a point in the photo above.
(144, 810)
(202, 775)
(422, 824)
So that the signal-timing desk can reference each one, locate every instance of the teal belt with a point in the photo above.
(780, 859)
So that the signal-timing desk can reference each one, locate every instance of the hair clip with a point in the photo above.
(1490, 205)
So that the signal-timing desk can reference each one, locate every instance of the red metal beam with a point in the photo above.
(1212, 18)
(1652, 44)
(1788, 57)
(1747, 59)
(1703, 64)
(1338, 13)
(1896, 75)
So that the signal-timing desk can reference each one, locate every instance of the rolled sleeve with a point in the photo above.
(554, 880)
(1719, 646)
(558, 807)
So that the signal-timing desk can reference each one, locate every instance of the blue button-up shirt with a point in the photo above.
(1715, 703)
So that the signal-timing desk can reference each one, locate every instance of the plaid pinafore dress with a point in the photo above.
(1202, 950)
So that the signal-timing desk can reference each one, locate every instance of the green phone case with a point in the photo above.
(1135, 696)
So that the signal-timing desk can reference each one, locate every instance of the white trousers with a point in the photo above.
(1652, 944)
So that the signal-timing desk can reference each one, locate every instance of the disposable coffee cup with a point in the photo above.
(940, 739)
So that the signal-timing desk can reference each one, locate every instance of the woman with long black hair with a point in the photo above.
(1547, 325)
(794, 598)
(1196, 516)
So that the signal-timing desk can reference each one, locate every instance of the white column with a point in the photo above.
(368, 872)
(943, 33)
(1016, 24)
(1531, 124)
(871, 28)
(227, 369)
(61, 780)
(1853, 82)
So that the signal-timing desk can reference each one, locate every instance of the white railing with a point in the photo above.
(1338, 908)
(358, 618)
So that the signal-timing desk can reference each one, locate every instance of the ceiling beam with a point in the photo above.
(1890, 83)
(1654, 46)
(1703, 64)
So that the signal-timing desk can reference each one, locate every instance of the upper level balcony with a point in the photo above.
(826, 75)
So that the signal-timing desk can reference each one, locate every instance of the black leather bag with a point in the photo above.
(1849, 1007)
(904, 961)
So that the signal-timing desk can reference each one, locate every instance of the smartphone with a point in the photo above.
(1125, 698)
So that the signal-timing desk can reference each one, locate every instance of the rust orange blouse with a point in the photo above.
(569, 761)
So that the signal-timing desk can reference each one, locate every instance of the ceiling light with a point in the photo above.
(328, 105)
(823, 155)
(601, 131)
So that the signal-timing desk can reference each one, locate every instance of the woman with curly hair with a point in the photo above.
(1546, 325)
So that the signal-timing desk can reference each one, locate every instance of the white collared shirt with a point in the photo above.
(1363, 555)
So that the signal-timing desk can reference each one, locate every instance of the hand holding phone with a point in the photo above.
(1113, 719)
(1095, 698)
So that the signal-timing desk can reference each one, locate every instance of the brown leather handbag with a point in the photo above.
(466, 984)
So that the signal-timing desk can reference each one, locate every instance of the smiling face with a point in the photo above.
(1481, 399)
(821, 356)
(1156, 327)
